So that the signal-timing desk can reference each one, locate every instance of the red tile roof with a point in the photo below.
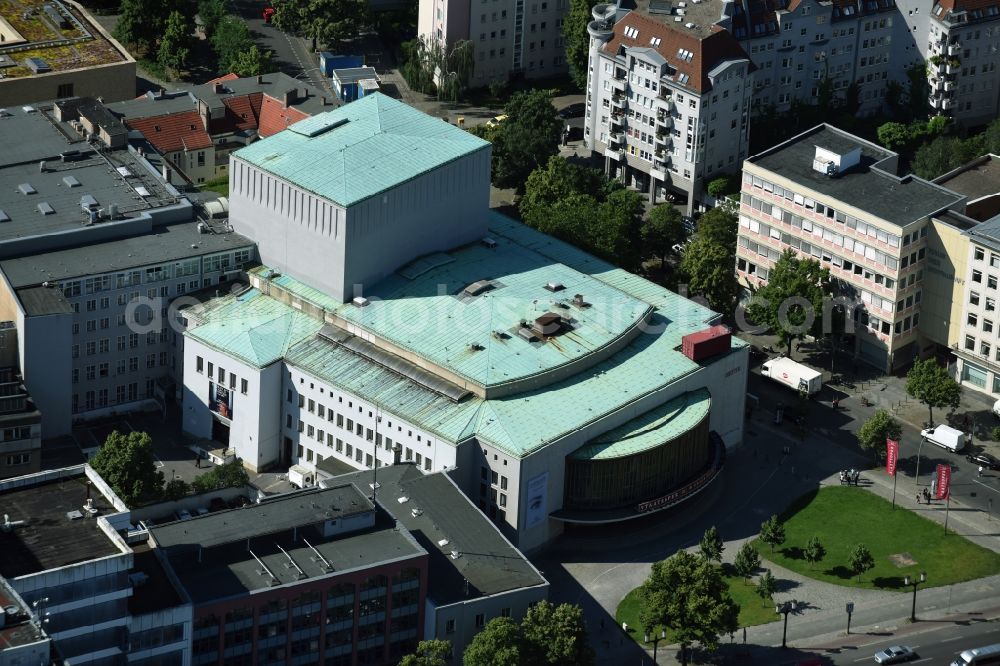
(274, 116)
(173, 131)
(242, 113)
(949, 6)
(707, 52)
(227, 77)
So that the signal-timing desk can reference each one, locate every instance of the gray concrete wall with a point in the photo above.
(46, 363)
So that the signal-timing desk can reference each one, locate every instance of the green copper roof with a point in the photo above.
(360, 149)
(251, 327)
(650, 430)
(476, 336)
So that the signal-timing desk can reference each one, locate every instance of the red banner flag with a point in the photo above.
(891, 455)
(943, 481)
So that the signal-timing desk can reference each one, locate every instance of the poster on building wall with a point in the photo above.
(537, 496)
(220, 400)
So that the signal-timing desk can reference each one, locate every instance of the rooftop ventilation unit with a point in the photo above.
(71, 181)
(478, 287)
(45, 209)
(360, 301)
(689, 25)
(4, 217)
(489, 242)
(527, 334)
(455, 554)
(548, 324)
(833, 163)
(415, 512)
(403, 500)
(37, 65)
(554, 286)
(443, 542)
(26, 188)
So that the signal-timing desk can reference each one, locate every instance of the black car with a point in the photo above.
(572, 111)
(983, 460)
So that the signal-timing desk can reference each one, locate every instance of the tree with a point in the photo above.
(875, 430)
(323, 21)
(211, 13)
(229, 475)
(555, 635)
(175, 47)
(548, 634)
(662, 229)
(690, 596)
(943, 154)
(861, 560)
(815, 550)
(141, 22)
(498, 644)
(931, 384)
(766, 586)
(232, 37)
(721, 186)
(176, 489)
(611, 234)
(127, 464)
(709, 262)
(746, 561)
(556, 180)
(893, 135)
(711, 545)
(526, 139)
(991, 138)
(779, 304)
(435, 652)
(252, 62)
(772, 532)
(577, 39)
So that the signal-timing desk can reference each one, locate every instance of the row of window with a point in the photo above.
(159, 273)
(123, 366)
(199, 366)
(103, 345)
(16, 433)
(123, 393)
(348, 450)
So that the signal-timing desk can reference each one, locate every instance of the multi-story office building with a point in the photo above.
(474, 573)
(964, 53)
(668, 102)
(67, 553)
(833, 197)
(20, 421)
(509, 38)
(23, 639)
(54, 48)
(94, 245)
(538, 376)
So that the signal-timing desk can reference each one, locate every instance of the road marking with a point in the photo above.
(920, 660)
(953, 638)
(862, 659)
(986, 486)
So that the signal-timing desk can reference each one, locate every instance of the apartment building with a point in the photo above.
(23, 639)
(963, 54)
(93, 248)
(668, 102)
(510, 38)
(833, 197)
(20, 421)
(196, 128)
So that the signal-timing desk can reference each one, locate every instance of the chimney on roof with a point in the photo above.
(217, 88)
(291, 96)
(204, 113)
(160, 93)
(260, 78)
(325, 100)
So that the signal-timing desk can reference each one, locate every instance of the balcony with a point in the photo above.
(934, 102)
(664, 95)
(951, 68)
(664, 122)
(954, 49)
(618, 101)
(618, 81)
(947, 104)
(949, 86)
(616, 140)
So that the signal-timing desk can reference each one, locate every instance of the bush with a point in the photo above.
(995, 434)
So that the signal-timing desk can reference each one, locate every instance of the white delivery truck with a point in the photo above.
(792, 374)
(945, 436)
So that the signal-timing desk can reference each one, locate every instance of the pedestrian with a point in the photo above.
(918, 498)
(980, 471)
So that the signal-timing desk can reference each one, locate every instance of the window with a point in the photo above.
(480, 620)
(449, 627)
(64, 90)
(979, 254)
(977, 276)
(974, 298)
(970, 342)
(244, 385)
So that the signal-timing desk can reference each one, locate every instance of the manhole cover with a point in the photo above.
(902, 560)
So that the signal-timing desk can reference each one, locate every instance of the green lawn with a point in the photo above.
(220, 185)
(752, 609)
(842, 517)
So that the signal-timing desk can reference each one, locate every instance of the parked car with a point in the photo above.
(678, 248)
(983, 460)
(495, 121)
(573, 111)
(894, 655)
(183, 514)
(267, 14)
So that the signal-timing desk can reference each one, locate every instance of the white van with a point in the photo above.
(984, 656)
(946, 437)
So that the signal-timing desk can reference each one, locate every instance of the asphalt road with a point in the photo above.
(971, 491)
(937, 644)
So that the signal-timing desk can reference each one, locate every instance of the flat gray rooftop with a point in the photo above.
(285, 512)
(24, 187)
(169, 243)
(977, 179)
(44, 301)
(48, 538)
(987, 233)
(488, 561)
(898, 201)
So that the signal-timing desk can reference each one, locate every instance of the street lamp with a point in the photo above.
(784, 609)
(914, 582)
(656, 642)
(916, 476)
